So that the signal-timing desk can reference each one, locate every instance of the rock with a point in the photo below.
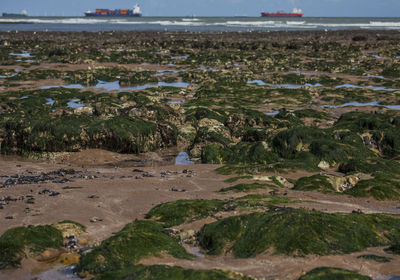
(341, 184)
(353, 180)
(9, 217)
(323, 165)
(177, 190)
(68, 229)
(93, 196)
(84, 110)
(48, 255)
(262, 178)
(95, 219)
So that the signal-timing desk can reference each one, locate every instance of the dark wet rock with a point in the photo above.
(148, 175)
(54, 193)
(93, 196)
(45, 191)
(30, 201)
(1, 206)
(9, 217)
(358, 211)
(138, 170)
(72, 242)
(177, 190)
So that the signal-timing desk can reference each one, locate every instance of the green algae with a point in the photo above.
(14, 242)
(379, 259)
(297, 232)
(137, 240)
(162, 272)
(331, 273)
(316, 182)
(181, 211)
(243, 187)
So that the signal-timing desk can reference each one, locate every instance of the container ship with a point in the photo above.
(22, 14)
(136, 12)
(295, 13)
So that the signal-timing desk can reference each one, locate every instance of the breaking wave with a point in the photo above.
(211, 23)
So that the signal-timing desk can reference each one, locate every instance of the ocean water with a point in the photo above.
(194, 24)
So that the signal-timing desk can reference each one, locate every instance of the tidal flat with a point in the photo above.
(180, 155)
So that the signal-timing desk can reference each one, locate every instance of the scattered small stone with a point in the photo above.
(44, 191)
(177, 190)
(72, 242)
(30, 201)
(54, 193)
(95, 219)
(358, 211)
(148, 175)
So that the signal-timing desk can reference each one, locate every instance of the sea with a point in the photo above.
(195, 24)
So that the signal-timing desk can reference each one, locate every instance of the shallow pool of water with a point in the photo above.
(180, 57)
(274, 113)
(183, 159)
(22, 54)
(49, 101)
(115, 86)
(358, 104)
(366, 87)
(291, 86)
(58, 272)
(74, 105)
(176, 102)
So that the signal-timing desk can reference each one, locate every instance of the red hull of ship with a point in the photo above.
(281, 14)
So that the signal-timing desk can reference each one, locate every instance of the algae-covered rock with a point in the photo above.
(180, 211)
(331, 273)
(125, 248)
(16, 241)
(297, 232)
(70, 228)
(162, 272)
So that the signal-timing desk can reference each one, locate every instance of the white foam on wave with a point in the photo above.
(197, 22)
(190, 19)
(295, 22)
(385, 23)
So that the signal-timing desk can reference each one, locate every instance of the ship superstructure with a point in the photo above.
(135, 12)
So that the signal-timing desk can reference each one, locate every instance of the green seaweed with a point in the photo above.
(331, 273)
(162, 272)
(15, 241)
(298, 232)
(375, 258)
(137, 240)
(180, 211)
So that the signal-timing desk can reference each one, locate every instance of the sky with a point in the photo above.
(323, 8)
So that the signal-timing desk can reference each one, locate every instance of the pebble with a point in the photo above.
(177, 190)
(95, 219)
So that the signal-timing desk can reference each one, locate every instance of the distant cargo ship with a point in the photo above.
(22, 14)
(295, 13)
(136, 12)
